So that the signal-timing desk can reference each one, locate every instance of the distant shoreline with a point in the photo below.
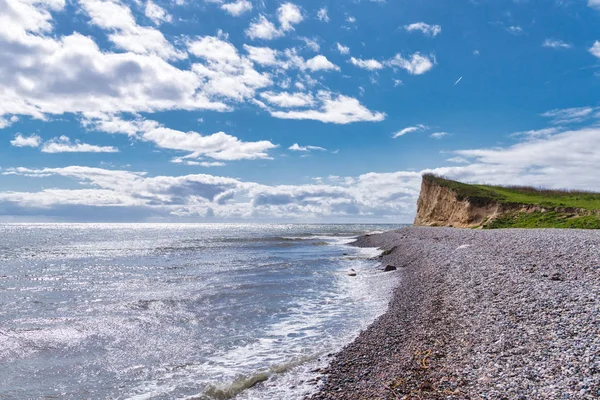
(479, 314)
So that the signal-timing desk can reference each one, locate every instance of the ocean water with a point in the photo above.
(179, 311)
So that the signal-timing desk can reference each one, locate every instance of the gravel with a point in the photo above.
(502, 314)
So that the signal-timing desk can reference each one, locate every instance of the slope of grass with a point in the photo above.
(485, 194)
(549, 219)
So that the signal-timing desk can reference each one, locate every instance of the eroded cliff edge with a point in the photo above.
(440, 206)
(443, 202)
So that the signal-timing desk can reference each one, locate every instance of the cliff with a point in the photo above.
(443, 202)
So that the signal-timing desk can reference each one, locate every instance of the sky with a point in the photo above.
(276, 111)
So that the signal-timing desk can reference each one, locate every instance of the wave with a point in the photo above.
(227, 391)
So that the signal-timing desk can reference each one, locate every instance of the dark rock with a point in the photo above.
(557, 276)
(389, 268)
(352, 273)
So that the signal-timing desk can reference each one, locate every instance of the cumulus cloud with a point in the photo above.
(371, 64)
(594, 3)
(26, 141)
(514, 30)
(63, 144)
(288, 15)
(237, 8)
(342, 49)
(46, 74)
(426, 29)
(439, 135)
(409, 129)
(570, 115)
(322, 14)
(337, 109)
(288, 100)
(126, 34)
(297, 147)
(321, 63)
(262, 28)
(224, 72)
(219, 146)
(556, 160)
(156, 13)
(595, 49)
(417, 64)
(556, 44)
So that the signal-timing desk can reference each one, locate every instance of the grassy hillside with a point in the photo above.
(563, 208)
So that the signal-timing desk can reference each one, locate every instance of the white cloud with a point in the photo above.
(538, 133)
(262, 28)
(556, 44)
(594, 3)
(237, 8)
(343, 49)
(371, 64)
(225, 73)
(570, 115)
(417, 64)
(321, 63)
(6, 122)
(595, 49)
(288, 100)
(351, 19)
(458, 160)
(297, 147)
(409, 129)
(312, 44)
(156, 13)
(515, 30)
(205, 164)
(337, 109)
(262, 55)
(322, 15)
(555, 161)
(63, 144)
(426, 29)
(439, 135)
(26, 141)
(43, 73)
(397, 82)
(219, 146)
(289, 15)
(125, 33)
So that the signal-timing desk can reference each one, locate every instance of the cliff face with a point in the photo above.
(440, 206)
(444, 202)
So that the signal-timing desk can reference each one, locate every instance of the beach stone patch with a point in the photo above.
(490, 321)
(389, 268)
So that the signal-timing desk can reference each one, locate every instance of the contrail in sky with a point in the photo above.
(459, 79)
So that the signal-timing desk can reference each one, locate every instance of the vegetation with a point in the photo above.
(485, 194)
(557, 208)
(549, 219)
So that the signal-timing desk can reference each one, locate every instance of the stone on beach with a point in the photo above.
(494, 320)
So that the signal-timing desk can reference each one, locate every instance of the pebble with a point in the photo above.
(513, 314)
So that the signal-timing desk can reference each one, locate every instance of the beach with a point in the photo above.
(478, 314)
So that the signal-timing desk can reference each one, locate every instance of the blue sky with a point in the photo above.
(242, 110)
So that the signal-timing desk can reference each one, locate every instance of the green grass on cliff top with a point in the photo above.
(485, 194)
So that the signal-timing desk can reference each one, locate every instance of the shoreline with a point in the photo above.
(505, 314)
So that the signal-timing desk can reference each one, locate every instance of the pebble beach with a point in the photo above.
(498, 314)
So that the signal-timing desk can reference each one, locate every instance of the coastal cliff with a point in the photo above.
(444, 202)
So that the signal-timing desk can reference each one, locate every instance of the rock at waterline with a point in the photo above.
(389, 268)
(352, 273)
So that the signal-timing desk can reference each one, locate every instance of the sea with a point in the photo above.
(180, 311)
